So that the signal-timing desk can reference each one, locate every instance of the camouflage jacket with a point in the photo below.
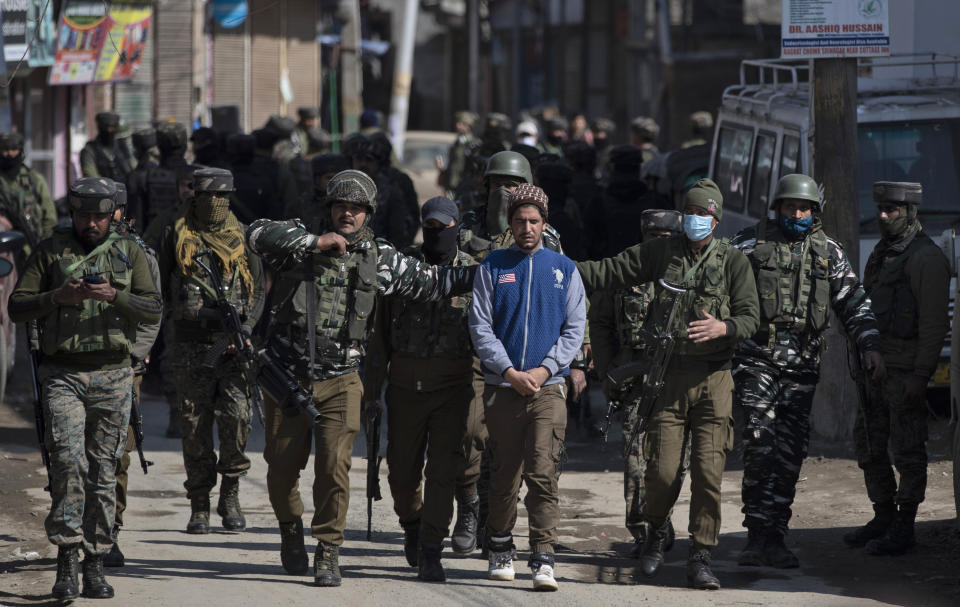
(286, 247)
(847, 298)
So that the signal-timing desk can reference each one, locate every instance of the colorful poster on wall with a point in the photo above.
(96, 44)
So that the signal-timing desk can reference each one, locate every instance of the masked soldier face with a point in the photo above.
(10, 158)
(89, 227)
(348, 217)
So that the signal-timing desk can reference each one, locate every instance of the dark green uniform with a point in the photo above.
(25, 200)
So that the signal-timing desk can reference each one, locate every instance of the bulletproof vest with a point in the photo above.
(93, 326)
(115, 167)
(20, 202)
(163, 192)
(346, 290)
(706, 290)
(190, 294)
(631, 309)
(891, 298)
(793, 286)
(432, 329)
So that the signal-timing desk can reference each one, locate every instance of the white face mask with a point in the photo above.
(696, 227)
(530, 140)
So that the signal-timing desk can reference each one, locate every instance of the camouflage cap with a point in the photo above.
(305, 113)
(705, 194)
(144, 139)
(604, 125)
(353, 186)
(662, 220)
(527, 193)
(93, 195)
(497, 121)
(701, 120)
(11, 141)
(645, 126)
(212, 180)
(107, 119)
(902, 192)
(466, 117)
(121, 196)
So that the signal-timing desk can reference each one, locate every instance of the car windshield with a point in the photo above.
(421, 155)
(924, 152)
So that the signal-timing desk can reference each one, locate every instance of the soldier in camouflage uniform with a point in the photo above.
(801, 274)
(103, 156)
(211, 385)
(451, 176)
(334, 278)
(615, 322)
(908, 280)
(24, 196)
(434, 390)
(643, 134)
(87, 288)
(146, 335)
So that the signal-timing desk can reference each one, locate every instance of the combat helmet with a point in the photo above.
(353, 186)
(508, 164)
(799, 186)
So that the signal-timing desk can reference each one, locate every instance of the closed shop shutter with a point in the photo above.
(264, 61)
(134, 100)
(229, 69)
(174, 37)
(302, 53)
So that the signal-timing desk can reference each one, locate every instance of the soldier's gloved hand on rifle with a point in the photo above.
(700, 331)
(874, 363)
(915, 388)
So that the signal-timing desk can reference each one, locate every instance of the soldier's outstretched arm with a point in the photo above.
(280, 244)
(632, 266)
(849, 300)
(407, 277)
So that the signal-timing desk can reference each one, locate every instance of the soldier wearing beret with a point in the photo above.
(908, 279)
(24, 196)
(87, 288)
(103, 156)
(219, 393)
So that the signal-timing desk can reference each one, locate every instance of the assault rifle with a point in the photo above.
(33, 337)
(136, 423)
(859, 374)
(652, 368)
(373, 464)
(236, 336)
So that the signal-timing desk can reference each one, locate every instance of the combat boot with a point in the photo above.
(428, 561)
(326, 565)
(671, 537)
(752, 553)
(464, 538)
(229, 505)
(699, 575)
(199, 515)
(411, 541)
(776, 554)
(114, 558)
(899, 537)
(95, 586)
(67, 585)
(293, 554)
(651, 558)
(882, 519)
(639, 540)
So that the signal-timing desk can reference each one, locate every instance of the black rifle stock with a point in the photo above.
(373, 466)
(659, 349)
(33, 337)
(136, 423)
(859, 375)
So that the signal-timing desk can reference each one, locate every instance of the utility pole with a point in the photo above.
(402, 76)
(833, 118)
(351, 65)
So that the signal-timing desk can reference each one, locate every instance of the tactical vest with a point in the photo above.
(163, 193)
(116, 168)
(92, 326)
(432, 329)
(346, 290)
(192, 293)
(892, 300)
(630, 312)
(706, 290)
(21, 202)
(793, 287)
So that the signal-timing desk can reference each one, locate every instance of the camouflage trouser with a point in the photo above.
(892, 420)
(776, 406)
(87, 415)
(205, 395)
(124, 464)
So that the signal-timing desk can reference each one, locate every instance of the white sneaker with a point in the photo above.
(501, 566)
(543, 577)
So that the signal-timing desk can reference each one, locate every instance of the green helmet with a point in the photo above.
(509, 164)
(798, 186)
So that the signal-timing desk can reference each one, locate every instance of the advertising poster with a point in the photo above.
(14, 32)
(814, 29)
(96, 44)
(42, 29)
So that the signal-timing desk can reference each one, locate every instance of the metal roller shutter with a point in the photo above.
(264, 61)
(174, 48)
(302, 55)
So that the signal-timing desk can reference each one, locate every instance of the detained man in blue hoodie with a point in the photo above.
(526, 321)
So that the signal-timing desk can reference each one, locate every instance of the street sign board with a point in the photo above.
(822, 29)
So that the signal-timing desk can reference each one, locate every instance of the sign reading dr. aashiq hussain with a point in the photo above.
(818, 29)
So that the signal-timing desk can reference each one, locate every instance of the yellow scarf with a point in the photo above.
(226, 242)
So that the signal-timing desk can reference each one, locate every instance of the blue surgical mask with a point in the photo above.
(793, 227)
(696, 227)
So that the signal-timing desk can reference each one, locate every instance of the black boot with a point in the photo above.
(464, 538)
(67, 586)
(428, 561)
(876, 528)
(776, 554)
(114, 558)
(326, 565)
(671, 536)
(95, 586)
(651, 558)
(411, 541)
(229, 505)
(752, 553)
(639, 540)
(199, 515)
(293, 554)
(699, 575)
(899, 537)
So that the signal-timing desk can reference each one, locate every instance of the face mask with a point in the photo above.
(106, 138)
(527, 140)
(793, 227)
(440, 244)
(892, 228)
(696, 227)
(7, 164)
(210, 210)
(497, 210)
(555, 139)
